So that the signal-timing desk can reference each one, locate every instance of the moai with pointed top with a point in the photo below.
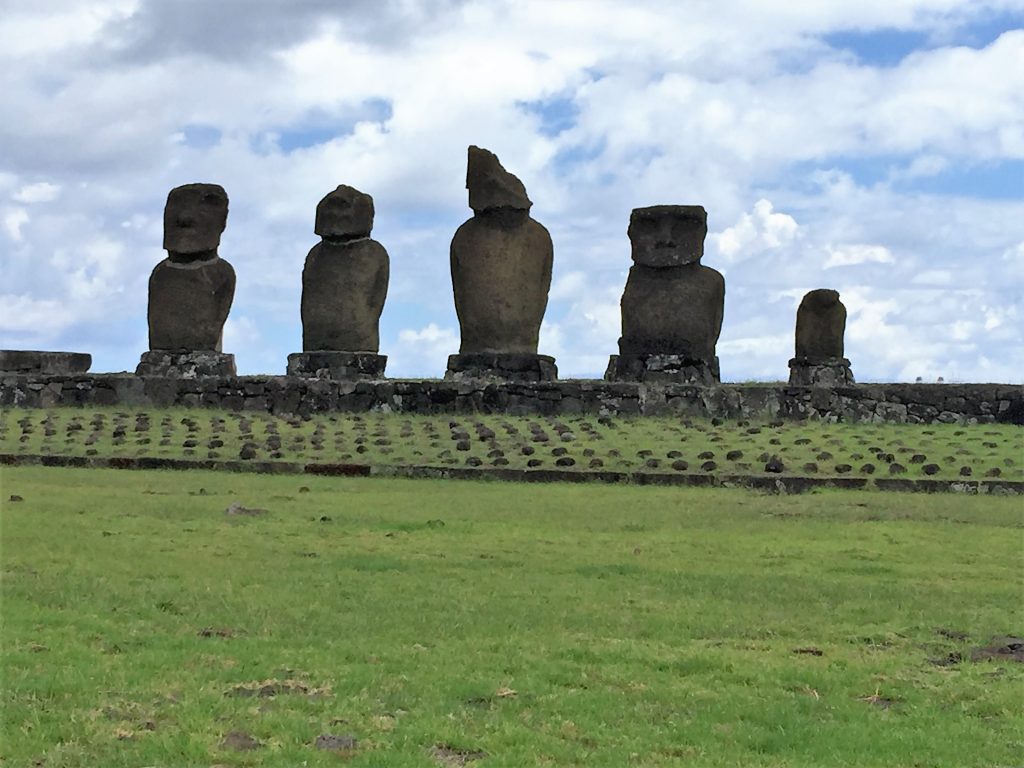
(672, 305)
(190, 292)
(501, 272)
(820, 356)
(344, 285)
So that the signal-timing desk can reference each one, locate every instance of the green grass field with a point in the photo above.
(577, 443)
(497, 624)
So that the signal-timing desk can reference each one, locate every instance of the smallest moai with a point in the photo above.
(672, 306)
(190, 292)
(344, 285)
(820, 325)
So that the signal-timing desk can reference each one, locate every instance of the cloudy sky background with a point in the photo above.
(874, 147)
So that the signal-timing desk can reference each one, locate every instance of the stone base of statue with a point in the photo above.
(830, 373)
(45, 363)
(501, 366)
(662, 368)
(342, 366)
(182, 364)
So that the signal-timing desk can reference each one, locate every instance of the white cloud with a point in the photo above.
(40, 192)
(755, 232)
(27, 317)
(14, 219)
(849, 255)
(423, 351)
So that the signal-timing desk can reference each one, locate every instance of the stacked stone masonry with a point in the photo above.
(894, 403)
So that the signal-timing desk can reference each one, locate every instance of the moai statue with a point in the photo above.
(672, 306)
(190, 292)
(820, 325)
(344, 284)
(501, 272)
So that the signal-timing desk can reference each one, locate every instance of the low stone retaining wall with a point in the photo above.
(775, 484)
(897, 403)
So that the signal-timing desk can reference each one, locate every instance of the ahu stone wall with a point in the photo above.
(894, 403)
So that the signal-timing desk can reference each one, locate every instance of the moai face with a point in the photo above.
(344, 214)
(668, 235)
(194, 217)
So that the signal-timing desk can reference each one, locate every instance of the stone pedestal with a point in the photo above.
(661, 368)
(45, 363)
(501, 366)
(179, 364)
(828, 373)
(344, 366)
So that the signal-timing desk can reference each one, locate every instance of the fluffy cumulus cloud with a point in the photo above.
(873, 147)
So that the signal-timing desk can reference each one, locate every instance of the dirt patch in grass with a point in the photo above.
(1000, 649)
(453, 757)
(269, 688)
(240, 741)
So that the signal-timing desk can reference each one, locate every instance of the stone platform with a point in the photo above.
(668, 369)
(185, 365)
(344, 366)
(878, 403)
(46, 363)
(495, 366)
(829, 373)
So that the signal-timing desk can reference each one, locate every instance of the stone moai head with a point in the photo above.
(344, 214)
(820, 326)
(491, 186)
(194, 217)
(668, 235)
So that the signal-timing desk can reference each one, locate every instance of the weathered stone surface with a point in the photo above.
(491, 186)
(46, 363)
(185, 365)
(668, 235)
(501, 265)
(820, 325)
(672, 306)
(344, 214)
(194, 218)
(190, 292)
(662, 368)
(672, 311)
(344, 286)
(337, 365)
(501, 367)
(976, 403)
(828, 373)
(189, 304)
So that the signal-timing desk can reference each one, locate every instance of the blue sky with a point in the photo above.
(876, 148)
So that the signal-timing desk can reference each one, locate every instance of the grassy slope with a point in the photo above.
(637, 626)
(639, 444)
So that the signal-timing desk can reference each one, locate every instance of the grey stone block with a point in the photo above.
(46, 363)
(344, 366)
(185, 365)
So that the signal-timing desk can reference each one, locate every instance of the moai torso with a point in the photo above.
(674, 310)
(190, 292)
(672, 305)
(345, 278)
(501, 263)
(820, 327)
